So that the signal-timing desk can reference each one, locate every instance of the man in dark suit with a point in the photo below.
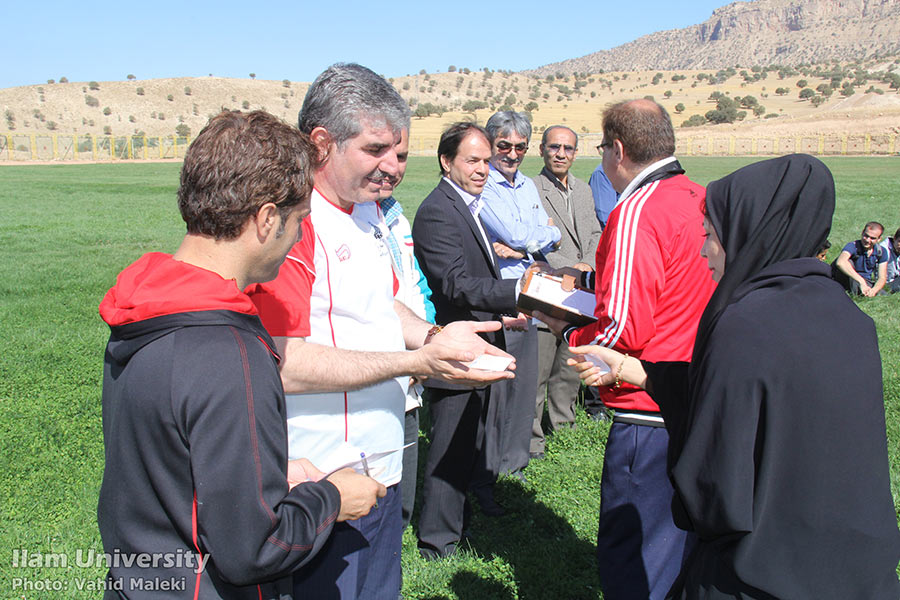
(569, 204)
(461, 267)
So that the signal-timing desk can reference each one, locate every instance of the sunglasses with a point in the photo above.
(555, 148)
(504, 147)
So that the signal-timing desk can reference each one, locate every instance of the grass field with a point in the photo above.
(66, 231)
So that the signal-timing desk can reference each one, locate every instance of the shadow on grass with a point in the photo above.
(546, 555)
(534, 551)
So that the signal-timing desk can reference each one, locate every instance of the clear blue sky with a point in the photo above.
(295, 40)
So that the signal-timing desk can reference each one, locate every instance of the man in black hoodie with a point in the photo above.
(196, 500)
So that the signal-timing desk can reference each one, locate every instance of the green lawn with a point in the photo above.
(66, 231)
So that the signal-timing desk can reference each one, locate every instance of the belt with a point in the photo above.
(639, 417)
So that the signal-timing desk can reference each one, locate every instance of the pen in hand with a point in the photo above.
(365, 464)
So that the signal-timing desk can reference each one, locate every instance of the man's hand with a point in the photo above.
(556, 326)
(504, 251)
(459, 342)
(302, 470)
(584, 267)
(517, 323)
(866, 289)
(358, 493)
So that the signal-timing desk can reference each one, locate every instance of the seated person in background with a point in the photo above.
(861, 266)
(822, 252)
(891, 246)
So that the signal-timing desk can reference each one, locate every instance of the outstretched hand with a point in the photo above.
(457, 343)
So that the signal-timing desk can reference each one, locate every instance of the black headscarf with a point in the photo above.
(765, 213)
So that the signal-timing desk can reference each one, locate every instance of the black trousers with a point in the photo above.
(457, 440)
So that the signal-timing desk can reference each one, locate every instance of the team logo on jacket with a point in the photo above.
(343, 253)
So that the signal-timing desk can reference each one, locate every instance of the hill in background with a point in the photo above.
(764, 32)
(769, 96)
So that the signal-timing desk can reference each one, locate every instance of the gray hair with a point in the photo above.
(345, 95)
(552, 127)
(508, 121)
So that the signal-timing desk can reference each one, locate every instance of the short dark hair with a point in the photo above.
(453, 137)
(823, 247)
(237, 163)
(643, 127)
(344, 95)
(552, 127)
(874, 224)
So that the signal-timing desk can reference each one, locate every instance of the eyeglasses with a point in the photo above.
(603, 145)
(503, 146)
(555, 148)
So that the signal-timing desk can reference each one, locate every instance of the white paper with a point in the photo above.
(349, 455)
(550, 291)
(599, 363)
(489, 362)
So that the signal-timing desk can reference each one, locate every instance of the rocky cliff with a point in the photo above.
(762, 32)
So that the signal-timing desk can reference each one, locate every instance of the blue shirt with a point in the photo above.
(513, 213)
(864, 264)
(605, 196)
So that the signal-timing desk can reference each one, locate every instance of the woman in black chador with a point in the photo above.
(778, 451)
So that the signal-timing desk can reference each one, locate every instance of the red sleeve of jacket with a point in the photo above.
(630, 278)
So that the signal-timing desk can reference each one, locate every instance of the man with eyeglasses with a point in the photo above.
(651, 287)
(520, 230)
(569, 203)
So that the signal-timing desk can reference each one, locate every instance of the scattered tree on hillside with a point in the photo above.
(245, 104)
(782, 91)
(252, 75)
(129, 77)
(187, 90)
(667, 93)
(51, 81)
(802, 83)
(815, 101)
(679, 108)
(107, 111)
(91, 101)
(64, 80)
(286, 83)
(183, 130)
(726, 111)
(807, 93)
(451, 69)
(694, 121)
(170, 97)
(94, 85)
(473, 105)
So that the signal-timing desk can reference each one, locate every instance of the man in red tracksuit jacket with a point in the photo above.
(651, 287)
